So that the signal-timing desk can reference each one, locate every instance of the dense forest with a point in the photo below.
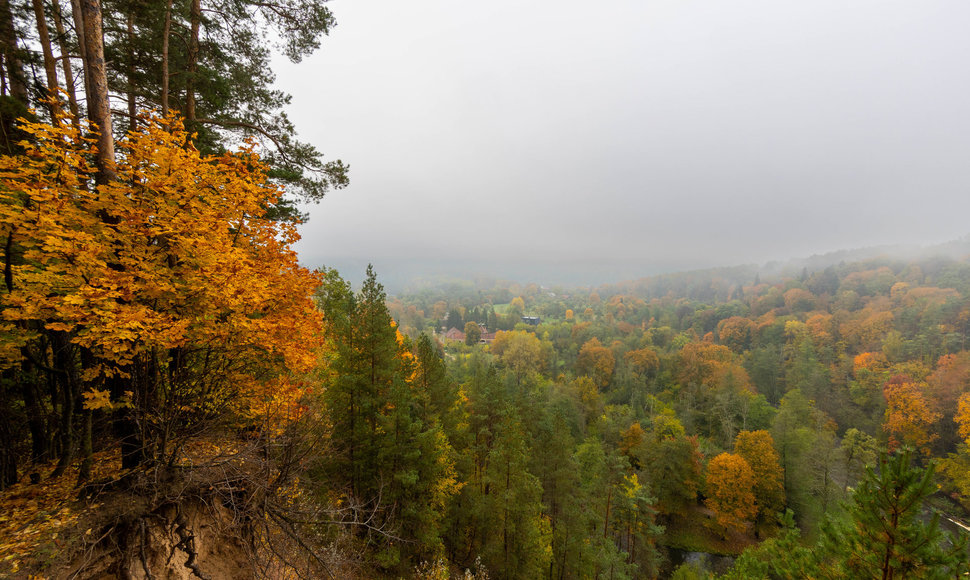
(179, 397)
(736, 407)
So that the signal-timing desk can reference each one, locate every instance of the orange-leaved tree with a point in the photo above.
(909, 416)
(596, 361)
(165, 296)
(644, 361)
(758, 449)
(730, 491)
(946, 385)
(735, 333)
(707, 366)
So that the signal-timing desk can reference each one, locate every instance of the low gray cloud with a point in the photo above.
(628, 137)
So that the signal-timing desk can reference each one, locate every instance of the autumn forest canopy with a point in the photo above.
(178, 395)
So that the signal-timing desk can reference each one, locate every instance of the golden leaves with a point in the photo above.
(730, 490)
(962, 417)
(37, 517)
(909, 417)
(100, 400)
(97, 399)
(596, 361)
(758, 449)
(177, 251)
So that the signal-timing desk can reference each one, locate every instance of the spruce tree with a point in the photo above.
(391, 453)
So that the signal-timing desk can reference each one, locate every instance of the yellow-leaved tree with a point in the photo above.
(730, 491)
(165, 296)
(758, 449)
(596, 361)
(909, 416)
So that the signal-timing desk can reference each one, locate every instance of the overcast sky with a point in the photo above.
(627, 137)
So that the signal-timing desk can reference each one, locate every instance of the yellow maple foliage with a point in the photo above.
(171, 277)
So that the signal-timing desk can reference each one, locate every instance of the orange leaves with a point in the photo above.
(908, 414)
(712, 366)
(730, 490)
(735, 333)
(948, 381)
(176, 252)
(820, 328)
(596, 361)
(631, 438)
(867, 327)
(799, 300)
(644, 360)
(39, 518)
(758, 449)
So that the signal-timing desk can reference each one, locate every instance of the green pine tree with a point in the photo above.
(391, 453)
(887, 536)
(518, 545)
(364, 366)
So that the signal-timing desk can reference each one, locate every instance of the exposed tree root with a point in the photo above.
(187, 544)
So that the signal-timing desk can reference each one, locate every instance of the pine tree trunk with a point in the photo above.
(606, 518)
(63, 359)
(50, 66)
(132, 103)
(82, 46)
(99, 110)
(39, 441)
(68, 441)
(165, 60)
(66, 64)
(193, 64)
(99, 113)
(87, 446)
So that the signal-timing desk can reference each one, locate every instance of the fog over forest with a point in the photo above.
(660, 289)
(580, 143)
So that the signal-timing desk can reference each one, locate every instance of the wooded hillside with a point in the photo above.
(179, 397)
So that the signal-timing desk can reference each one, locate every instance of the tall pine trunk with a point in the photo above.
(50, 66)
(62, 356)
(166, 33)
(192, 65)
(132, 102)
(99, 113)
(66, 64)
(82, 45)
(99, 110)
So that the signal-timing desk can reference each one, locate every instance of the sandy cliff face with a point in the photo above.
(174, 542)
